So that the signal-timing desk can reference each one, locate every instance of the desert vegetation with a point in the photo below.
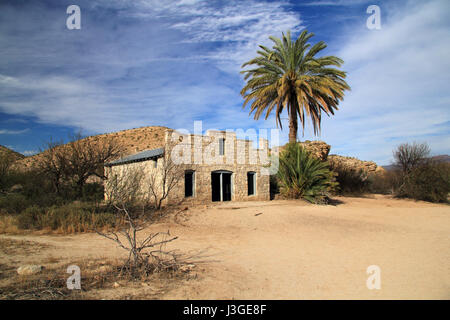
(414, 174)
(61, 192)
(301, 175)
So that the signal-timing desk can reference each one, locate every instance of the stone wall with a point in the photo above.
(201, 155)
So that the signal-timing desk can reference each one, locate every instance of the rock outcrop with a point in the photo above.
(318, 148)
(354, 163)
(321, 150)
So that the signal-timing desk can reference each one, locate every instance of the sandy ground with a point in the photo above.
(290, 250)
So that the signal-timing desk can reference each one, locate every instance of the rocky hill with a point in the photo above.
(4, 151)
(140, 139)
(132, 141)
(441, 158)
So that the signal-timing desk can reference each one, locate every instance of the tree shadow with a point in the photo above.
(335, 202)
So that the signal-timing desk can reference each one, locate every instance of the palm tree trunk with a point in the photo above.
(293, 125)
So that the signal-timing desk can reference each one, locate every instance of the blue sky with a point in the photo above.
(146, 62)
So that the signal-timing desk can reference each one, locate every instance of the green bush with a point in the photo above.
(93, 192)
(351, 181)
(13, 203)
(428, 182)
(30, 218)
(301, 175)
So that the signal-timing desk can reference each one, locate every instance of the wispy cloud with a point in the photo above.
(171, 74)
(158, 62)
(336, 3)
(399, 77)
(6, 131)
(29, 152)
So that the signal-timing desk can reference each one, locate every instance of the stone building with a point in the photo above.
(212, 167)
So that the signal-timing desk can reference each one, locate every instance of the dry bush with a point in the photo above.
(351, 181)
(97, 278)
(429, 181)
(77, 161)
(162, 181)
(8, 225)
(408, 156)
(6, 161)
(124, 192)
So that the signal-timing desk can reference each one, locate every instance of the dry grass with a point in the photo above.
(14, 247)
(8, 225)
(100, 278)
(97, 278)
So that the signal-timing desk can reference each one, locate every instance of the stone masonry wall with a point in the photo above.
(201, 154)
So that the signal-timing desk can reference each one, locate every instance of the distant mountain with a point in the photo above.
(132, 140)
(13, 154)
(440, 158)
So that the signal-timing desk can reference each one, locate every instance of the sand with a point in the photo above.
(291, 250)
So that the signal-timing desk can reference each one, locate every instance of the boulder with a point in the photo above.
(29, 269)
(319, 149)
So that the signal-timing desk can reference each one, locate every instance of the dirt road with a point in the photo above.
(293, 250)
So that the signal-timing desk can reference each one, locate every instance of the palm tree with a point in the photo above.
(290, 76)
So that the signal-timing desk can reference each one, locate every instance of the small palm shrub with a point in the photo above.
(301, 175)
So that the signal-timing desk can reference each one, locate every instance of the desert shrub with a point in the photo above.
(385, 182)
(93, 192)
(69, 218)
(30, 218)
(274, 188)
(351, 180)
(301, 175)
(409, 156)
(429, 182)
(13, 203)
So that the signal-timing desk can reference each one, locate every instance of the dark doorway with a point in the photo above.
(189, 183)
(251, 183)
(226, 186)
(221, 185)
(215, 186)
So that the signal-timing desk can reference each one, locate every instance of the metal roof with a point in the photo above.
(141, 156)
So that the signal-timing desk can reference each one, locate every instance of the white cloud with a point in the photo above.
(399, 77)
(6, 131)
(167, 75)
(29, 152)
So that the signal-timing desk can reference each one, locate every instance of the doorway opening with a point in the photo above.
(189, 183)
(221, 185)
(251, 182)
